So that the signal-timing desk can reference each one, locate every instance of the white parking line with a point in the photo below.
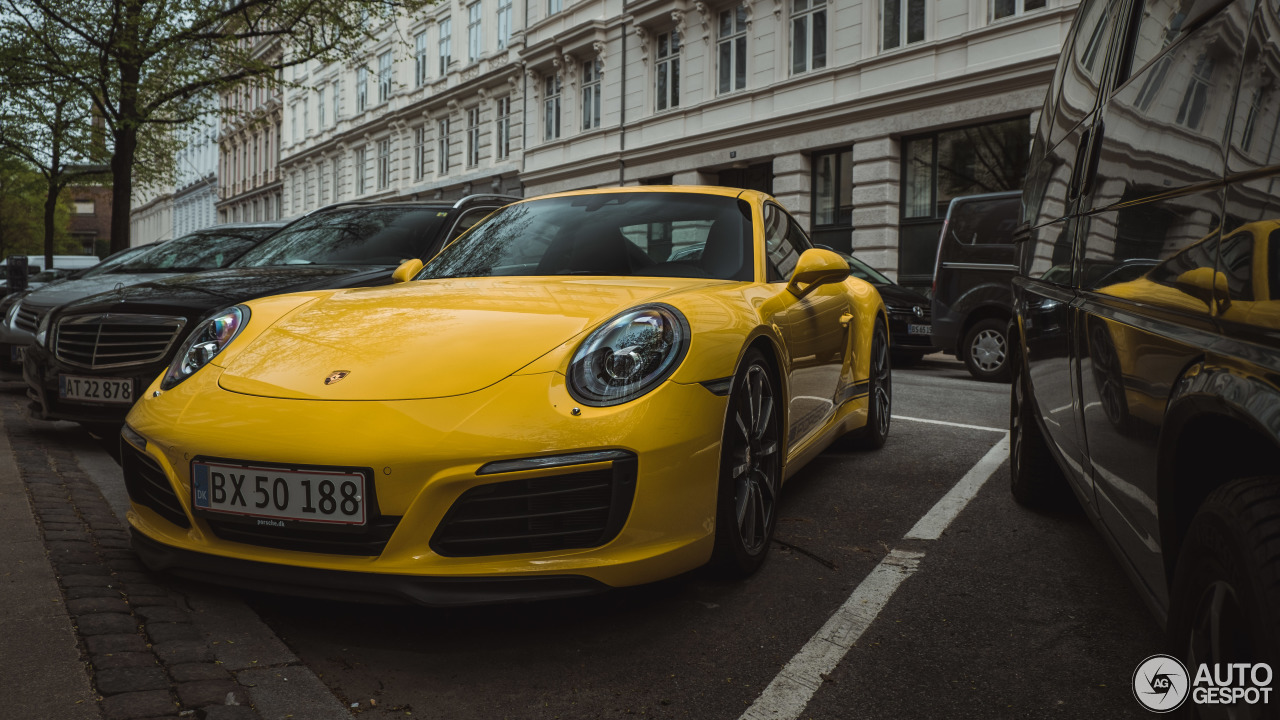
(789, 693)
(950, 424)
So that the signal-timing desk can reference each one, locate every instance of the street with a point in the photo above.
(1007, 613)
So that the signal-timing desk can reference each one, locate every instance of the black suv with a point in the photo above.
(1147, 326)
(91, 357)
(972, 300)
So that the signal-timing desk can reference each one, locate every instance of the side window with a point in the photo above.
(468, 219)
(1078, 78)
(783, 243)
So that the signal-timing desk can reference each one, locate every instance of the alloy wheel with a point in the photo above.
(754, 459)
(882, 389)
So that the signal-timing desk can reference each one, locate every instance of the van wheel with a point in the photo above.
(985, 350)
(1035, 479)
(1227, 583)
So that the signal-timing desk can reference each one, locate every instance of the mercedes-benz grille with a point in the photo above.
(104, 341)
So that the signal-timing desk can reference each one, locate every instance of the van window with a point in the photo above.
(984, 222)
(1078, 77)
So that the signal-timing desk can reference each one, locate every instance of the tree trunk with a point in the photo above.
(50, 205)
(126, 146)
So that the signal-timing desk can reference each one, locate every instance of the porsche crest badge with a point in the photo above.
(335, 376)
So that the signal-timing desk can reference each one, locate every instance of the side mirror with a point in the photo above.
(407, 270)
(817, 267)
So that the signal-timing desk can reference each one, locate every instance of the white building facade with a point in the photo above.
(151, 217)
(249, 149)
(195, 193)
(864, 117)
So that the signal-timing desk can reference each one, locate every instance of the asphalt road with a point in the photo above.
(1008, 614)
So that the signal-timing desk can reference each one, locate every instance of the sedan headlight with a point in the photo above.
(629, 355)
(204, 344)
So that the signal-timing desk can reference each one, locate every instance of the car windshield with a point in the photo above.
(863, 271)
(118, 259)
(205, 250)
(662, 234)
(351, 236)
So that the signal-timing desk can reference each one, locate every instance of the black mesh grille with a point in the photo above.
(369, 540)
(560, 512)
(99, 341)
(148, 486)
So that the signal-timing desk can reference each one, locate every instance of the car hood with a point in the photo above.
(898, 296)
(69, 290)
(429, 339)
(194, 295)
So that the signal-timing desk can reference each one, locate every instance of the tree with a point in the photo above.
(153, 63)
(21, 200)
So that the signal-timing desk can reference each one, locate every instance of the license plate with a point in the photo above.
(273, 494)
(95, 389)
(919, 329)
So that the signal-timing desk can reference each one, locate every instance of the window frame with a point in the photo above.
(1019, 9)
(808, 16)
(386, 68)
(592, 82)
(442, 146)
(361, 161)
(505, 15)
(362, 89)
(382, 174)
(904, 24)
(502, 121)
(737, 44)
(473, 137)
(475, 31)
(666, 66)
(553, 90)
(445, 45)
(420, 61)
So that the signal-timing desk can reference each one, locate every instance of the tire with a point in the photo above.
(750, 470)
(879, 396)
(1035, 479)
(985, 350)
(1227, 582)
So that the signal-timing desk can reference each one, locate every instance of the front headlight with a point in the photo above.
(629, 355)
(204, 344)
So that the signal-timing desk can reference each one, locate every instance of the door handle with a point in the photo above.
(845, 319)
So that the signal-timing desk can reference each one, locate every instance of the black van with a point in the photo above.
(1146, 335)
(972, 302)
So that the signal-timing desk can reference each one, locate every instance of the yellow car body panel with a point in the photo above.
(443, 376)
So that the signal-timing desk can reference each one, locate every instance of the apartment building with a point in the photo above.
(864, 117)
(249, 187)
(195, 193)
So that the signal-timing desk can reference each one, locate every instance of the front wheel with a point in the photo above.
(1226, 587)
(985, 350)
(750, 470)
(879, 396)
(1035, 479)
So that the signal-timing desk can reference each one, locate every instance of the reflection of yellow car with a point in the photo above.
(592, 389)
(1230, 279)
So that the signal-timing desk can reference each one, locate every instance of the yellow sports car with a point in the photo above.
(586, 390)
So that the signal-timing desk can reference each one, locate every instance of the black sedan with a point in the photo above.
(91, 357)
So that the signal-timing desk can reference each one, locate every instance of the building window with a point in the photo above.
(833, 199)
(808, 35)
(1009, 8)
(667, 70)
(475, 40)
(473, 136)
(420, 59)
(320, 119)
(362, 88)
(551, 107)
(384, 77)
(293, 124)
(554, 6)
(420, 152)
(306, 116)
(337, 100)
(502, 134)
(384, 163)
(943, 165)
(731, 58)
(1196, 98)
(360, 170)
(446, 45)
(85, 207)
(903, 22)
(335, 167)
(590, 94)
(504, 23)
(442, 147)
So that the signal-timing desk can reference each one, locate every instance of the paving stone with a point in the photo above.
(61, 517)
(85, 606)
(142, 601)
(106, 624)
(165, 614)
(76, 593)
(113, 553)
(132, 589)
(188, 672)
(85, 581)
(58, 525)
(133, 705)
(226, 712)
(69, 568)
(200, 693)
(104, 644)
(130, 679)
(84, 556)
(112, 543)
(182, 651)
(134, 577)
(69, 546)
(163, 632)
(123, 660)
(70, 535)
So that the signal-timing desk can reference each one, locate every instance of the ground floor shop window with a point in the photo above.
(833, 199)
(939, 166)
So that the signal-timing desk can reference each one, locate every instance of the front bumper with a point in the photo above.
(901, 339)
(425, 455)
(41, 369)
